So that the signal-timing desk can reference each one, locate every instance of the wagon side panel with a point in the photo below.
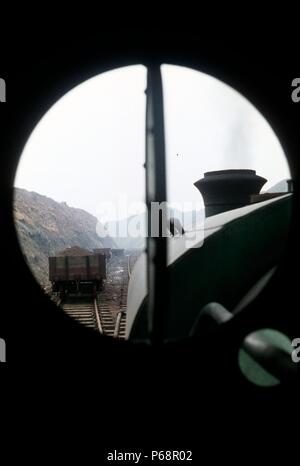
(78, 268)
(58, 269)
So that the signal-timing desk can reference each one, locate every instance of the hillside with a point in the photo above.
(45, 227)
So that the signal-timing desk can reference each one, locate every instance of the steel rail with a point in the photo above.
(97, 316)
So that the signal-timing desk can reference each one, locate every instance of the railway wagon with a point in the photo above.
(78, 273)
(105, 251)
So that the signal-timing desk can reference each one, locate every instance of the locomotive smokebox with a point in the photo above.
(224, 190)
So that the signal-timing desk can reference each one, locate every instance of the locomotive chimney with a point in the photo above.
(224, 190)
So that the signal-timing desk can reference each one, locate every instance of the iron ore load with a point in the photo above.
(77, 270)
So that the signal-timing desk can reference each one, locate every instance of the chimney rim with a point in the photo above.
(231, 171)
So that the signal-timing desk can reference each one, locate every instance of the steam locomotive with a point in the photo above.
(244, 237)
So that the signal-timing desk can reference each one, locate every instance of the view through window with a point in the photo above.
(80, 199)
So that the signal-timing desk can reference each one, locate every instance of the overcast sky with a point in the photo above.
(89, 147)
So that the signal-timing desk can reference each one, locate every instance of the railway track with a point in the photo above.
(94, 313)
(106, 312)
(107, 321)
(82, 310)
